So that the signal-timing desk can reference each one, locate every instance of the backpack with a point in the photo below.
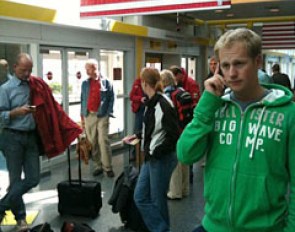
(183, 103)
(122, 201)
(76, 227)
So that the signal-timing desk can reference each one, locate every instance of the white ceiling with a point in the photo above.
(251, 9)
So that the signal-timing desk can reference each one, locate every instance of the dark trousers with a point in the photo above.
(199, 229)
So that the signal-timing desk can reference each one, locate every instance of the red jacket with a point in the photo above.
(190, 85)
(136, 94)
(56, 129)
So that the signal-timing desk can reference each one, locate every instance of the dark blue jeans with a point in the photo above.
(150, 194)
(199, 229)
(21, 155)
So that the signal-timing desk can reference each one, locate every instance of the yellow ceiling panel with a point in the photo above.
(23, 11)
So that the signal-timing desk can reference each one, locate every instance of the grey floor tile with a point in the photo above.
(185, 214)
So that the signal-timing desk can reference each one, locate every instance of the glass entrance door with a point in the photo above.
(190, 65)
(63, 69)
(112, 68)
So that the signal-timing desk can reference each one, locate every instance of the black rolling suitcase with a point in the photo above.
(78, 197)
(122, 201)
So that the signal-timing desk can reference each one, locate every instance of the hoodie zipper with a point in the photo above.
(233, 179)
(234, 169)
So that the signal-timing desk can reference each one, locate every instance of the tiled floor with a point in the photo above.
(185, 214)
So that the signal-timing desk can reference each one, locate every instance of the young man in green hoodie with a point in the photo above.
(247, 132)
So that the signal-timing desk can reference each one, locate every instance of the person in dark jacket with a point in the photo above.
(212, 66)
(159, 144)
(280, 78)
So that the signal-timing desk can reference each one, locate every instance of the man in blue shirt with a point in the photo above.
(21, 151)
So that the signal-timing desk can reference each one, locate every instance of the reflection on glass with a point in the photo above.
(52, 72)
(110, 62)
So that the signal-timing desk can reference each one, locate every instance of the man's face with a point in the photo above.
(91, 70)
(239, 70)
(179, 78)
(23, 69)
(212, 65)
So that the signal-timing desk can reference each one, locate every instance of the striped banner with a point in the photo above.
(278, 35)
(95, 8)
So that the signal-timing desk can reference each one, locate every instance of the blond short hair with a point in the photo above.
(167, 78)
(249, 38)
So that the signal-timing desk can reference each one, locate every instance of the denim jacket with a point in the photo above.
(106, 96)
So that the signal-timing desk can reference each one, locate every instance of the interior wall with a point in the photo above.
(171, 59)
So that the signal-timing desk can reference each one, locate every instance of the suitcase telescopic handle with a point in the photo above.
(79, 164)
(69, 167)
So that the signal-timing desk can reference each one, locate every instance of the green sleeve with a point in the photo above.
(193, 141)
(291, 168)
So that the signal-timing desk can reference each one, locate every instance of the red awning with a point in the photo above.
(278, 35)
(95, 8)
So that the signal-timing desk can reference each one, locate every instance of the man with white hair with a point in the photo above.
(97, 100)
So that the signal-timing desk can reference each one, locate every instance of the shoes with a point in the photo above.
(1, 219)
(110, 174)
(2, 216)
(170, 197)
(174, 198)
(97, 172)
(22, 226)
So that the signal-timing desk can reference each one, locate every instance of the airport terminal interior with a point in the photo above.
(185, 214)
(62, 35)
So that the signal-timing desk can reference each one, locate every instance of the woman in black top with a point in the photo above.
(159, 143)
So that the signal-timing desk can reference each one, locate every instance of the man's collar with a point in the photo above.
(18, 81)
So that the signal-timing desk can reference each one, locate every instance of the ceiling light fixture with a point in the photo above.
(218, 11)
(274, 9)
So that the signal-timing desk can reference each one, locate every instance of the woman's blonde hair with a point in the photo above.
(167, 78)
(152, 77)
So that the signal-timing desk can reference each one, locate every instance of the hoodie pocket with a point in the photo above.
(217, 193)
(255, 205)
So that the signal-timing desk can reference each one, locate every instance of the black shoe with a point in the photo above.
(2, 215)
(22, 226)
(110, 174)
(97, 172)
(174, 198)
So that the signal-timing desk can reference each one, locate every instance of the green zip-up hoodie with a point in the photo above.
(250, 161)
